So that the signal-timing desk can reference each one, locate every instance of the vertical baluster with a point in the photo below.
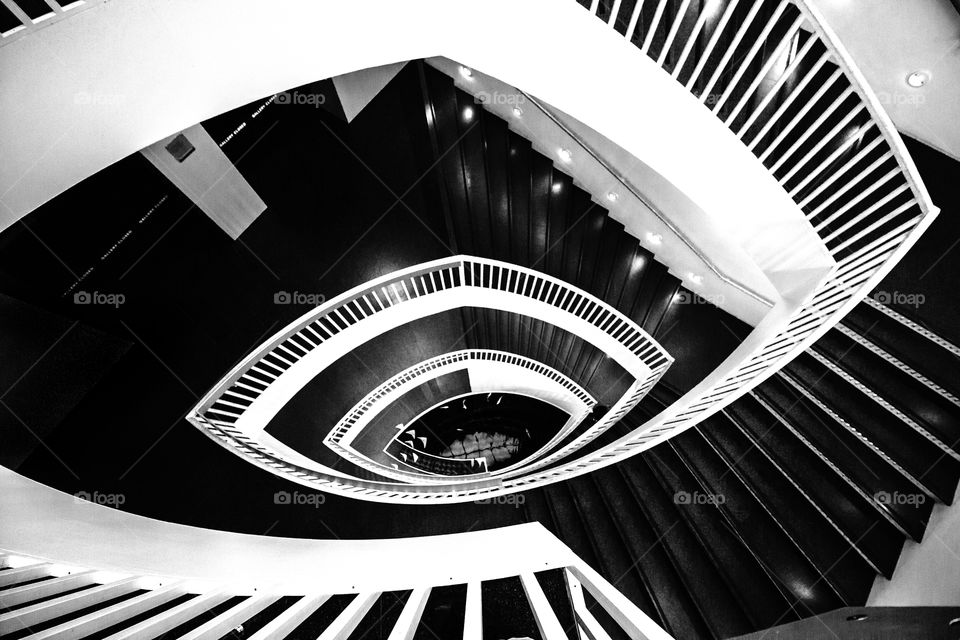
(731, 49)
(702, 18)
(473, 613)
(672, 34)
(654, 24)
(711, 44)
(781, 49)
(634, 18)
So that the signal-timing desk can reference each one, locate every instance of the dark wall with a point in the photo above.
(923, 286)
(49, 364)
(306, 420)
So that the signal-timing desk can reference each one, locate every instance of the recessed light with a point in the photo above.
(712, 8)
(466, 72)
(696, 278)
(654, 238)
(517, 111)
(613, 196)
(565, 154)
(467, 113)
(557, 187)
(918, 79)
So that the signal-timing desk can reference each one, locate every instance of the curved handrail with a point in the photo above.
(222, 411)
(339, 437)
(139, 566)
(827, 167)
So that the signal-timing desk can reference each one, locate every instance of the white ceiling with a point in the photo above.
(890, 39)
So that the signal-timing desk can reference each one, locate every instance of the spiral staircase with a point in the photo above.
(191, 452)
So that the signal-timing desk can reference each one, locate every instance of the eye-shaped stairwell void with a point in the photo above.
(745, 438)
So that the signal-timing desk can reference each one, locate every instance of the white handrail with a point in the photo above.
(122, 552)
(344, 432)
(225, 412)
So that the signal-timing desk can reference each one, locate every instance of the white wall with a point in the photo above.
(95, 87)
(928, 573)
(38, 521)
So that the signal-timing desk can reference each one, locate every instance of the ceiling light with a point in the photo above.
(517, 111)
(696, 278)
(613, 196)
(918, 78)
(467, 114)
(654, 238)
(466, 72)
(557, 187)
(565, 154)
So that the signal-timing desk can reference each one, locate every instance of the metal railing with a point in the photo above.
(221, 412)
(71, 568)
(143, 606)
(774, 73)
(32, 16)
(344, 432)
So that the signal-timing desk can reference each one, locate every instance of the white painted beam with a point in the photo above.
(104, 618)
(171, 618)
(473, 613)
(210, 180)
(589, 625)
(25, 573)
(626, 614)
(350, 617)
(32, 615)
(358, 89)
(282, 625)
(230, 619)
(20, 595)
(409, 620)
(547, 622)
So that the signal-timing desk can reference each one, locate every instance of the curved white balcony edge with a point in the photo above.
(42, 526)
(576, 401)
(236, 411)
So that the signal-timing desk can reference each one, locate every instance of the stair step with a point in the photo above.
(854, 511)
(934, 414)
(836, 557)
(764, 598)
(926, 462)
(781, 554)
(939, 364)
(870, 469)
(716, 598)
(647, 553)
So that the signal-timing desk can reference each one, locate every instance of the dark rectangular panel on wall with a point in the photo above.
(49, 364)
